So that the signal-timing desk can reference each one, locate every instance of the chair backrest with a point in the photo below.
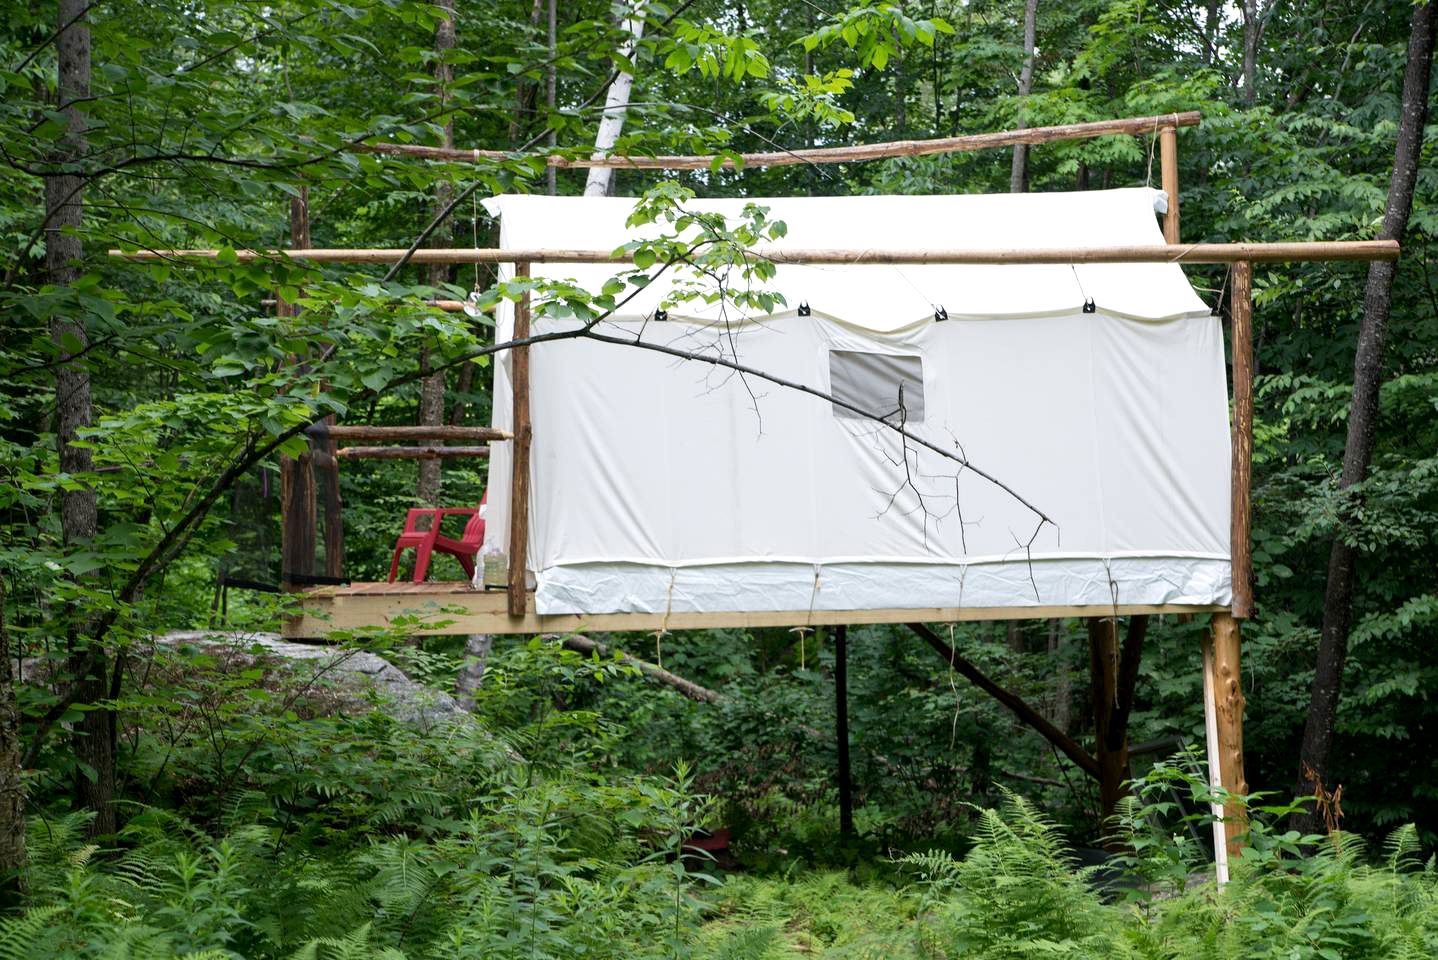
(474, 530)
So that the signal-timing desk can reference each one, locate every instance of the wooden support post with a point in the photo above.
(519, 473)
(1168, 164)
(329, 475)
(1228, 704)
(297, 479)
(1241, 345)
(841, 729)
(333, 505)
(297, 520)
(1110, 736)
(1215, 761)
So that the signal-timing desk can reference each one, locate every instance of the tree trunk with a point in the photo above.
(12, 785)
(64, 209)
(299, 518)
(1018, 171)
(1363, 414)
(471, 671)
(525, 93)
(551, 83)
(1210, 33)
(901, 91)
(615, 104)
(1110, 743)
(1251, 29)
(431, 387)
(1115, 676)
(1060, 715)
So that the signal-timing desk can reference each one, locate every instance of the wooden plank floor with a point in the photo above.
(457, 608)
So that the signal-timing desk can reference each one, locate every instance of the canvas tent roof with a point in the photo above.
(660, 485)
(885, 298)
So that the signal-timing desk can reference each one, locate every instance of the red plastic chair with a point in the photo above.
(425, 542)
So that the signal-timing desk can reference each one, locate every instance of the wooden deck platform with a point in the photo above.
(457, 608)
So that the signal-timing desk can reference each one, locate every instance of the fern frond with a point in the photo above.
(750, 943)
(1403, 848)
(20, 936)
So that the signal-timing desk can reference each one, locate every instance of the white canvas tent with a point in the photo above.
(660, 485)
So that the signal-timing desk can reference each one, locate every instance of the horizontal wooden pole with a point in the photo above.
(449, 306)
(377, 604)
(406, 433)
(1131, 126)
(1157, 253)
(409, 453)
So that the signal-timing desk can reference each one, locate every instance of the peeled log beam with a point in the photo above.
(1158, 253)
(449, 306)
(402, 434)
(1062, 741)
(1131, 126)
(689, 688)
(409, 453)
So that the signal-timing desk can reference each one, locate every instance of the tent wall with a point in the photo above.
(663, 485)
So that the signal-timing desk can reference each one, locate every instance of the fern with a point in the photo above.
(751, 943)
(20, 937)
(1403, 850)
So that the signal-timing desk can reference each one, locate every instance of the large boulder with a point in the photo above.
(337, 680)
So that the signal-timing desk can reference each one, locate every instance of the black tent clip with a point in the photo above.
(661, 315)
(804, 310)
(940, 314)
(1088, 306)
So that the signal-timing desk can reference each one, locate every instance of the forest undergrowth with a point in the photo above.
(269, 830)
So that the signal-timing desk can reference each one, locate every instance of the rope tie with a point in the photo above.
(808, 626)
(664, 621)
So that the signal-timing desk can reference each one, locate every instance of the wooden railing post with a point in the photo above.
(1168, 164)
(519, 474)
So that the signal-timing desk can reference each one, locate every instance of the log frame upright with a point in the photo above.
(1228, 710)
(1241, 349)
(1168, 165)
(298, 496)
(1226, 686)
(519, 472)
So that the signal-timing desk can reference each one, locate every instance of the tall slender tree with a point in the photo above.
(1363, 414)
(616, 105)
(1018, 169)
(87, 667)
(12, 783)
(431, 387)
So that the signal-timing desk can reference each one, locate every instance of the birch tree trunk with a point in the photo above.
(431, 387)
(471, 671)
(1363, 415)
(616, 104)
(1018, 171)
